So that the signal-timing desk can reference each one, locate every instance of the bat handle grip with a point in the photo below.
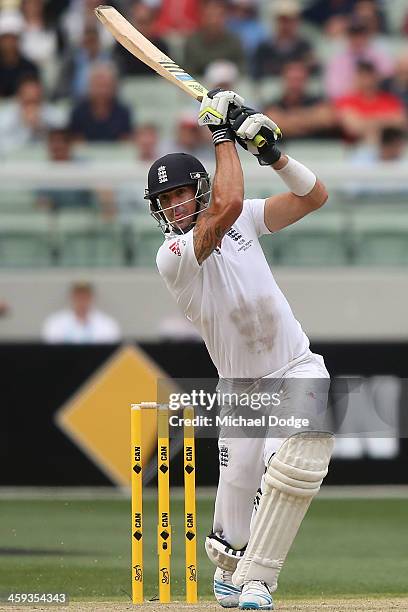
(259, 141)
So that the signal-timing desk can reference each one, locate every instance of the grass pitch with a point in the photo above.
(346, 548)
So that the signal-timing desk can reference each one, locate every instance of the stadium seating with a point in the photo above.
(343, 233)
(85, 240)
(147, 238)
(25, 241)
(141, 92)
(17, 201)
(318, 240)
(380, 236)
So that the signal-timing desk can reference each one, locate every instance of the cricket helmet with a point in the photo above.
(172, 171)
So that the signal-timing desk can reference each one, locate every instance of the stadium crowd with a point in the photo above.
(56, 51)
(338, 70)
(324, 70)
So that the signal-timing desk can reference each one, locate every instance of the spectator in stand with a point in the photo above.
(391, 148)
(360, 46)
(285, 45)
(212, 41)
(393, 143)
(38, 41)
(79, 15)
(13, 64)
(368, 109)
(299, 113)
(224, 75)
(177, 17)
(27, 119)
(4, 308)
(72, 81)
(54, 12)
(146, 138)
(398, 85)
(128, 199)
(189, 137)
(81, 322)
(244, 21)
(142, 17)
(332, 15)
(100, 116)
(368, 12)
(59, 145)
(221, 74)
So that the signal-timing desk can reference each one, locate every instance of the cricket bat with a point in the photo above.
(146, 52)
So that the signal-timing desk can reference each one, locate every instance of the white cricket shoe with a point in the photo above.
(225, 592)
(255, 595)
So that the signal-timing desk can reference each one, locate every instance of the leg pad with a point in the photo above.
(292, 479)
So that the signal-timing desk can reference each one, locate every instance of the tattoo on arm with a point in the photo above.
(208, 233)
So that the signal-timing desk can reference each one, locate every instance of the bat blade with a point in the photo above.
(146, 52)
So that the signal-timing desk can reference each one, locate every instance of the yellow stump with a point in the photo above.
(190, 517)
(137, 504)
(164, 527)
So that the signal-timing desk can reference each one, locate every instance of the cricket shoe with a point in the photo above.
(255, 595)
(225, 592)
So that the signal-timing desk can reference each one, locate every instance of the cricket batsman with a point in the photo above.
(213, 265)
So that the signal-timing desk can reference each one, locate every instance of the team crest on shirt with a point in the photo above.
(234, 234)
(175, 248)
(237, 237)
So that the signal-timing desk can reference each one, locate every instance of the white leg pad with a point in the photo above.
(293, 477)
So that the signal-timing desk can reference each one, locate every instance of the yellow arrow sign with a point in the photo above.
(97, 418)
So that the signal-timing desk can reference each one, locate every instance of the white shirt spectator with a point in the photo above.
(64, 327)
(39, 45)
(74, 20)
(15, 133)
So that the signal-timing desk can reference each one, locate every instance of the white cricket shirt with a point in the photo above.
(233, 299)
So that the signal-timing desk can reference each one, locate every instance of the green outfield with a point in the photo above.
(346, 547)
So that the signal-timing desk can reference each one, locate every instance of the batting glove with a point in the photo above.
(214, 113)
(256, 133)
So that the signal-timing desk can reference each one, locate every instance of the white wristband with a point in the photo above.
(297, 177)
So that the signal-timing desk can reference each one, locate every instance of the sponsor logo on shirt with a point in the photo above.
(245, 245)
(175, 248)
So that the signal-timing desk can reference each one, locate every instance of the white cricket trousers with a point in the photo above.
(243, 459)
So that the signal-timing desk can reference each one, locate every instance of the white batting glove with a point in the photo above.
(215, 106)
(256, 133)
(254, 124)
